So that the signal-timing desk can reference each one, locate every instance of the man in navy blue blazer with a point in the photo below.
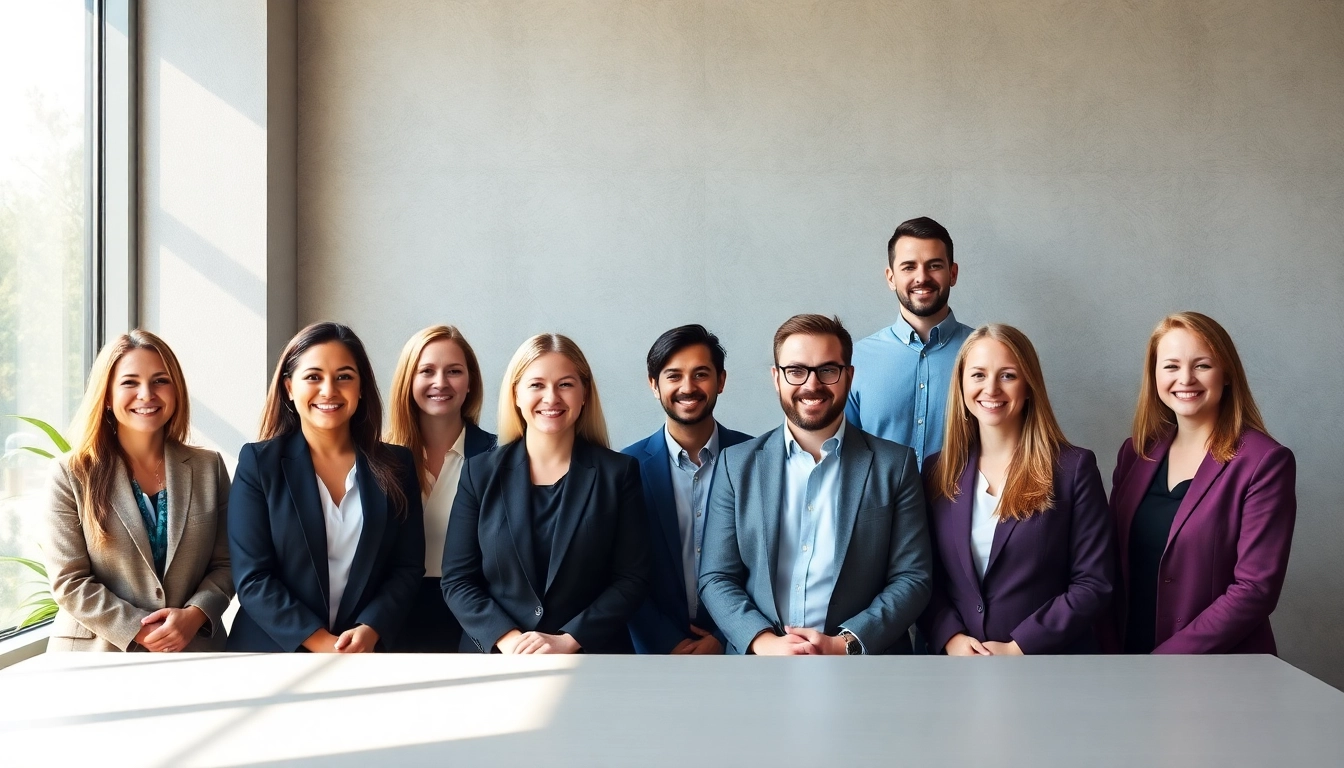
(676, 465)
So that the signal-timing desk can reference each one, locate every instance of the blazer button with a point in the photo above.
(980, 608)
(538, 610)
(1166, 581)
(158, 593)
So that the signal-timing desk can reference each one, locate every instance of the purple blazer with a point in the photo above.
(1048, 578)
(1227, 552)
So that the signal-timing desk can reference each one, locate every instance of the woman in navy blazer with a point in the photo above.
(1203, 501)
(325, 527)
(1023, 554)
(548, 543)
(435, 405)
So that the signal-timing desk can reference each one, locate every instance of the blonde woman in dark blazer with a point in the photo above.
(135, 540)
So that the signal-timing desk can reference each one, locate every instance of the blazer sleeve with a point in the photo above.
(1268, 516)
(395, 595)
(608, 615)
(463, 582)
(1107, 626)
(255, 561)
(1064, 618)
(74, 587)
(216, 587)
(723, 574)
(909, 568)
(653, 631)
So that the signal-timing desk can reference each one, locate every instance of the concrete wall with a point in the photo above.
(611, 169)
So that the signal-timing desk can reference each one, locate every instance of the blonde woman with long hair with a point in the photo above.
(1203, 500)
(135, 540)
(548, 543)
(435, 408)
(1023, 553)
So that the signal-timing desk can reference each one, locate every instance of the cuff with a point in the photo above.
(862, 646)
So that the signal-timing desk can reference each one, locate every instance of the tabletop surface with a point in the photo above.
(468, 710)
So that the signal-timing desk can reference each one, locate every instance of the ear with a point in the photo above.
(891, 279)
(723, 379)
(953, 267)
(289, 388)
(653, 386)
(774, 375)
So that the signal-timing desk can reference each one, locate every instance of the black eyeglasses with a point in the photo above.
(797, 375)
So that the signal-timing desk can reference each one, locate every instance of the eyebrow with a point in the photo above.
(818, 365)
(338, 370)
(136, 375)
(1197, 359)
(912, 262)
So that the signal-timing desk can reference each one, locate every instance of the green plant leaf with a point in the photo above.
(32, 565)
(51, 432)
(45, 612)
(38, 451)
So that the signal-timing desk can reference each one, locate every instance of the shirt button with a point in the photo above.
(538, 610)
(697, 550)
(921, 385)
(697, 514)
(805, 547)
(921, 421)
(809, 507)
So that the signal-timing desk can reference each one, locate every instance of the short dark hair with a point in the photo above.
(815, 325)
(923, 228)
(677, 339)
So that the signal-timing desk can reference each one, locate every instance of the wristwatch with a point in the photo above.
(852, 645)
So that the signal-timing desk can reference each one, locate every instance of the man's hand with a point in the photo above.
(321, 641)
(1003, 649)
(962, 644)
(360, 639)
(827, 645)
(769, 644)
(169, 630)
(703, 644)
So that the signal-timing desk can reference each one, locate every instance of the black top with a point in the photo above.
(1147, 541)
(545, 512)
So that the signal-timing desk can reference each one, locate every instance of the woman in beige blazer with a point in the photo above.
(135, 540)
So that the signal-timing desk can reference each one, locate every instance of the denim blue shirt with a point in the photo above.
(805, 574)
(900, 383)
(690, 493)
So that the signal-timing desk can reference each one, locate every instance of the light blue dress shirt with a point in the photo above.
(805, 575)
(900, 383)
(690, 492)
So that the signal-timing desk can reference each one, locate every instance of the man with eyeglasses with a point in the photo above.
(816, 540)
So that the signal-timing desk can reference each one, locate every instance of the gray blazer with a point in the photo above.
(882, 542)
(104, 591)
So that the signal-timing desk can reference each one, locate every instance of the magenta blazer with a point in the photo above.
(1226, 555)
(1049, 577)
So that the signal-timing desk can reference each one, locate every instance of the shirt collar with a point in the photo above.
(675, 450)
(460, 444)
(831, 445)
(906, 334)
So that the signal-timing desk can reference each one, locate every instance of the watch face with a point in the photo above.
(852, 647)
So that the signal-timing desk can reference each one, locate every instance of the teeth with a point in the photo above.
(326, 407)
(1187, 395)
(549, 413)
(145, 411)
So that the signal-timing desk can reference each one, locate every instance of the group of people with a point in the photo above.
(918, 495)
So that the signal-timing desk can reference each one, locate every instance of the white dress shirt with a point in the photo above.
(439, 503)
(984, 520)
(690, 493)
(344, 522)
(807, 532)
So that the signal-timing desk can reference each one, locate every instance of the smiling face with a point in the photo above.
(921, 275)
(1189, 380)
(812, 405)
(324, 387)
(142, 396)
(992, 385)
(689, 386)
(550, 395)
(441, 382)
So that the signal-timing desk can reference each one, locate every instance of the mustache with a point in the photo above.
(811, 394)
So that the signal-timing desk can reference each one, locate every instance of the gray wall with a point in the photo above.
(611, 169)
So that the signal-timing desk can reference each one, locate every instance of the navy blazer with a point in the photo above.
(663, 620)
(477, 441)
(599, 562)
(1049, 577)
(278, 544)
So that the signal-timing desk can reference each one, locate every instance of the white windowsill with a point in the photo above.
(24, 645)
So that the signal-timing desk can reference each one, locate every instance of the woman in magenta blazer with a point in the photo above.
(1203, 501)
(1022, 540)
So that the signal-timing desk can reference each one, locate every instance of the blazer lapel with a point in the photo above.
(1130, 493)
(657, 473)
(770, 490)
(961, 510)
(855, 462)
(177, 463)
(1208, 472)
(301, 478)
(1002, 531)
(373, 503)
(515, 481)
(573, 504)
(128, 511)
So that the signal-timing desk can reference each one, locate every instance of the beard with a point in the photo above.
(833, 409)
(669, 407)
(934, 306)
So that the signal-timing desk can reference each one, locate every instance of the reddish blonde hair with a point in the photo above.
(404, 414)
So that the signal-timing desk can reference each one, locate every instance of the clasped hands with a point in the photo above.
(359, 639)
(964, 645)
(169, 630)
(516, 641)
(703, 644)
(797, 641)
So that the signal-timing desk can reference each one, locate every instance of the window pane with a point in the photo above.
(43, 313)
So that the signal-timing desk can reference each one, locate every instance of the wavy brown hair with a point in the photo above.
(1237, 411)
(591, 426)
(279, 419)
(1030, 485)
(404, 414)
(97, 451)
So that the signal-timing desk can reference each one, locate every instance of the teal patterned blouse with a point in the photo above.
(156, 523)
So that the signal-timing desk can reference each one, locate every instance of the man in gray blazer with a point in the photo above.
(816, 540)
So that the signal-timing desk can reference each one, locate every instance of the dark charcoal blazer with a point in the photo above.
(1227, 553)
(278, 542)
(599, 562)
(1049, 577)
(662, 620)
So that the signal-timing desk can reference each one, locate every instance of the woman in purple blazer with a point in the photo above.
(1022, 544)
(1203, 501)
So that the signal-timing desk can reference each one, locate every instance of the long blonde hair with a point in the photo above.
(93, 460)
(404, 414)
(592, 426)
(1237, 411)
(1030, 485)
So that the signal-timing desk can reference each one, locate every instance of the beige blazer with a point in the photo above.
(103, 592)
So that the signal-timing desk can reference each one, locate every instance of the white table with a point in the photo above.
(222, 709)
